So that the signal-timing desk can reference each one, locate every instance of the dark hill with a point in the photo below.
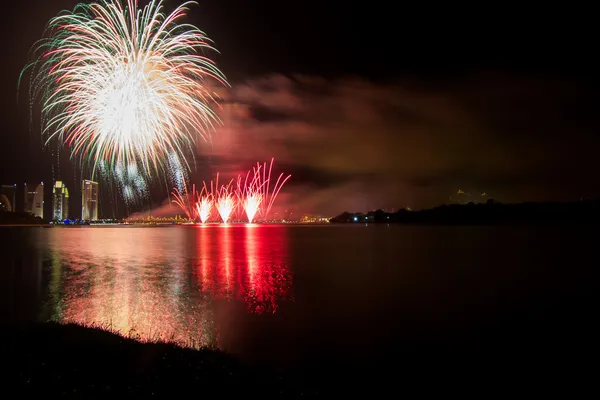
(484, 214)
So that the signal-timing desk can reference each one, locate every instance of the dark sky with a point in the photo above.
(375, 104)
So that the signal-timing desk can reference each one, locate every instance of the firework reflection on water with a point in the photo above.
(136, 281)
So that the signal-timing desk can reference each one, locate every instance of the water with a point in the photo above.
(285, 294)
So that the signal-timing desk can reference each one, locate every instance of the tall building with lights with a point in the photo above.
(89, 200)
(60, 201)
(33, 199)
(8, 197)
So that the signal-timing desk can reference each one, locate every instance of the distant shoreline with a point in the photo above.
(490, 213)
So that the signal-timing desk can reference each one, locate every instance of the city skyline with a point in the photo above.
(29, 198)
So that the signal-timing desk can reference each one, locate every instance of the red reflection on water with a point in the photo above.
(227, 260)
(264, 279)
(160, 283)
(203, 251)
(268, 278)
(253, 249)
(254, 257)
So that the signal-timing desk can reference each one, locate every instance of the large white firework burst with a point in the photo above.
(126, 86)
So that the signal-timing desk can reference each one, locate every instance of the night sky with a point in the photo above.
(373, 104)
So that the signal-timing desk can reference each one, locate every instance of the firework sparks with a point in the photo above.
(204, 205)
(225, 205)
(270, 194)
(251, 205)
(124, 85)
(186, 201)
(250, 194)
(224, 200)
(254, 196)
(132, 186)
(178, 174)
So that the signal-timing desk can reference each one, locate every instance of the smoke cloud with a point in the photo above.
(355, 145)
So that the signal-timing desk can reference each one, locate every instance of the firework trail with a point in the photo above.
(257, 194)
(251, 205)
(224, 199)
(186, 201)
(249, 194)
(124, 85)
(133, 186)
(269, 194)
(178, 175)
(204, 204)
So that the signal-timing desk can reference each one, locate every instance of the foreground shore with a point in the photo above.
(78, 362)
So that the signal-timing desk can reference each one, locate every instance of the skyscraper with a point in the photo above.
(89, 200)
(8, 197)
(60, 201)
(33, 200)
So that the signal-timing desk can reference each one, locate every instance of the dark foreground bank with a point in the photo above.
(78, 361)
(547, 351)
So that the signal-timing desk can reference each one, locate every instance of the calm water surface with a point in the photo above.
(284, 293)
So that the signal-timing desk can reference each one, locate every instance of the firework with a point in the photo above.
(123, 85)
(250, 194)
(130, 184)
(204, 204)
(263, 186)
(224, 199)
(254, 195)
(251, 205)
(186, 201)
(178, 175)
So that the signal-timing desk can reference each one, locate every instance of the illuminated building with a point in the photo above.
(7, 197)
(33, 199)
(89, 200)
(60, 201)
